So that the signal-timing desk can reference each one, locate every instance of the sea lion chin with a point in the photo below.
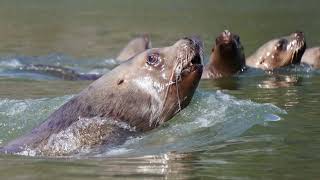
(135, 97)
(227, 57)
(279, 52)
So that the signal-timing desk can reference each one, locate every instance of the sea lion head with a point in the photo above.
(281, 52)
(227, 56)
(153, 86)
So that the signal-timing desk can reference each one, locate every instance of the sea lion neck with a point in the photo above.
(116, 100)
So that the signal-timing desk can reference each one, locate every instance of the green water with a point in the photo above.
(285, 149)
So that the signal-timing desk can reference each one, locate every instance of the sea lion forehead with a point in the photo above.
(166, 53)
(268, 47)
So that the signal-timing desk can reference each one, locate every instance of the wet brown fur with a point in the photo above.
(227, 57)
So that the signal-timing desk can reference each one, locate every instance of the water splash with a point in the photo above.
(11, 63)
(20, 116)
(210, 118)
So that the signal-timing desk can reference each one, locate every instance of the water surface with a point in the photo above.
(255, 126)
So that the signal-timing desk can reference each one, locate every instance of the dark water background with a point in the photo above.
(224, 134)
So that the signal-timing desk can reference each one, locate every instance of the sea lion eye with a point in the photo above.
(278, 46)
(281, 44)
(153, 59)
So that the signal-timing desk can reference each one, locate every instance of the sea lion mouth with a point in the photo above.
(194, 65)
(193, 55)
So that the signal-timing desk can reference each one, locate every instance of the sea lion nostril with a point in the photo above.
(226, 33)
(189, 39)
(299, 34)
(195, 42)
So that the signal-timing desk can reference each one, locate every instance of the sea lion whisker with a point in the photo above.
(168, 86)
(176, 74)
(178, 95)
(178, 77)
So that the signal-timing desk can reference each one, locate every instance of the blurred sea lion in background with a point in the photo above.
(312, 57)
(279, 52)
(227, 57)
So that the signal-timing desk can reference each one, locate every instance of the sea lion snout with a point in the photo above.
(228, 38)
(198, 48)
(195, 42)
(192, 48)
(299, 35)
(226, 35)
(298, 45)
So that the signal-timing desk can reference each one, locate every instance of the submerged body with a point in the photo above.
(135, 97)
(227, 57)
(312, 57)
(279, 52)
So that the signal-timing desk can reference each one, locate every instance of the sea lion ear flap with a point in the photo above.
(147, 39)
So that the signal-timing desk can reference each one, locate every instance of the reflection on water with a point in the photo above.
(229, 83)
(280, 81)
(165, 166)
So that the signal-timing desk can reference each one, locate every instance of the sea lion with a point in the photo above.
(227, 57)
(312, 57)
(135, 97)
(279, 52)
(134, 47)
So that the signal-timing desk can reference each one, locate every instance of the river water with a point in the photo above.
(254, 126)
